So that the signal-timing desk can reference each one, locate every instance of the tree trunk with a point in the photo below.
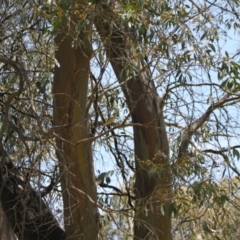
(27, 214)
(6, 232)
(153, 173)
(70, 88)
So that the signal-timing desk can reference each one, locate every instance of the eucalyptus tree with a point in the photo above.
(26, 114)
(169, 61)
(147, 84)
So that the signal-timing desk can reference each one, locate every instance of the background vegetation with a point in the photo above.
(119, 119)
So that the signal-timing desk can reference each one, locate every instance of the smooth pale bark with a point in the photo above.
(70, 98)
(153, 189)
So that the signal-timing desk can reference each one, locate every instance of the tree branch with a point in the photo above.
(19, 67)
(192, 128)
(27, 213)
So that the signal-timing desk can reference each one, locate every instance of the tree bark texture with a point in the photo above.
(70, 119)
(153, 190)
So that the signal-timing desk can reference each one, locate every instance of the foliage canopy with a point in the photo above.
(160, 108)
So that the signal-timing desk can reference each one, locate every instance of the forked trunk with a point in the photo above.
(70, 120)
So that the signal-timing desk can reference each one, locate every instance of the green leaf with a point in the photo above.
(236, 153)
(101, 177)
(212, 47)
(203, 36)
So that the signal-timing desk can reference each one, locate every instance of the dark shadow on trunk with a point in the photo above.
(6, 231)
(28, 215)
